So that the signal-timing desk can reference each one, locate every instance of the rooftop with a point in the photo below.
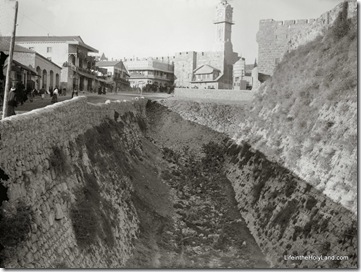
(65, 39)
(108, 62)
(5, 46)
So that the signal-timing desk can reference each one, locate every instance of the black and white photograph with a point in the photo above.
(179, 134)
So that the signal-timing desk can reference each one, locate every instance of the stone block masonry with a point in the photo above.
(48, 160)
(287, 216)
(275, 38)
(52, 125)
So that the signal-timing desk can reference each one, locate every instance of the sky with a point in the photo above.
(143, 28)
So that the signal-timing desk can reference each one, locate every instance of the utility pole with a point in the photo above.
(10, 61)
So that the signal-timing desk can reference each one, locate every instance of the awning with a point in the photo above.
(27, 68)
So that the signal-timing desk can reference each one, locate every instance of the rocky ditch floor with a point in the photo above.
(205, 229)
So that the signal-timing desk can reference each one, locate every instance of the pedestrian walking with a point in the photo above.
(12, 102)
(54, 98)
(42, 92)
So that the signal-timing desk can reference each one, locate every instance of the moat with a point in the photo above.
(196, 224)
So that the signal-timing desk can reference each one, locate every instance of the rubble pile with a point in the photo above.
(207, 229)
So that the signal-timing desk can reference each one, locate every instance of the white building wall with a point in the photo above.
(58, 54)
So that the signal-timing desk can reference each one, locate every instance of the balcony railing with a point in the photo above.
(136, 75)
(86, 71)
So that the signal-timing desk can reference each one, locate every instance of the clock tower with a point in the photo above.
(223, 22)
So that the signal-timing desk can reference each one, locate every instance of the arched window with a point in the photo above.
(39, 80)
(57, 80)
(45, 80)
(51, 85)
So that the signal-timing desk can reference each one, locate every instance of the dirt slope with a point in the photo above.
(202, 228)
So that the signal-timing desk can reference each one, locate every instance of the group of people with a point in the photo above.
(14, 99)
(34, 92)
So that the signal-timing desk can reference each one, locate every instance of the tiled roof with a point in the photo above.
(208, 80)
(5, 46)
(16, 63)
(48, 38)
(196, 71)
(107, 63)
(65, 39)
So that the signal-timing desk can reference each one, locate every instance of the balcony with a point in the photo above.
(150, 76)
(86, 71)
(82, 71)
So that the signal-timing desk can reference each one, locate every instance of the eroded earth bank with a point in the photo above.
(222, 192)
(144, 188)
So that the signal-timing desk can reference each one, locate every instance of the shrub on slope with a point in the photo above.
(306, 115)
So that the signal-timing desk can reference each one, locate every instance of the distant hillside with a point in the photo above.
(306, 115)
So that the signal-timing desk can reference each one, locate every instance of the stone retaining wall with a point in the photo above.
(26, 137)
(45, 161)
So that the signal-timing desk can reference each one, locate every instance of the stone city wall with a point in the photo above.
(185, 63)
(275, 38)
(214, 59)
(47, 159)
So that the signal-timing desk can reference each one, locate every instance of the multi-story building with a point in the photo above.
(117, 74)
(48, 72)
(150, 71)
(239, 72)
(69, 52)
(206, 77)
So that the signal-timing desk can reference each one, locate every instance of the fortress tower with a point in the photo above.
(210, 69)
(223, 22)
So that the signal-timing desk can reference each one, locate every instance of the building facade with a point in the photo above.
(68, 52)
(239, 72)
(45, 74)
(48, 72)
(206, 77)
(117, 74)
(150, 71)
